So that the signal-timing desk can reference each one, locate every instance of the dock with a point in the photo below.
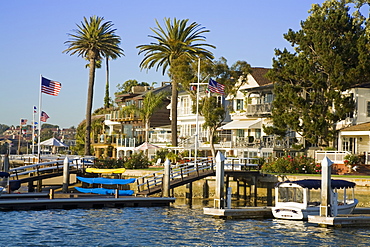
(348, 220)
(42, 201)
(240, 213)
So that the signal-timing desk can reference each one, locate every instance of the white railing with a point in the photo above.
(336, 156)
(149, 181)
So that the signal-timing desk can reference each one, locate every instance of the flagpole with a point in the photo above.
(19, 137)
(33, 130)
(197, 117)
(39, 123)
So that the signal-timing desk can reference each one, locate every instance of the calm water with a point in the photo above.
(178, 225)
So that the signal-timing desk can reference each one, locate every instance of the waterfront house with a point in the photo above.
(123, 131)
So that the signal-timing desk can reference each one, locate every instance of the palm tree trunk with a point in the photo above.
(147, 130)
(90, 94)
(174, 114)
(106, 98)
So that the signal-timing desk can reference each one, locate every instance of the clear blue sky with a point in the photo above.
(34, 32)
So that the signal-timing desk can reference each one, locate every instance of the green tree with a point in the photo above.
(94, 39)
(3, 128)
(127, 86)
(330, 57)
(174, 40)
(212, 107)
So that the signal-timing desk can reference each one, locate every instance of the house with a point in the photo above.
(123, 131)
(354, 132)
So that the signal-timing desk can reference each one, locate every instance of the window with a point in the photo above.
(258, 133)
(240, 133)
(185, 105)
(239, 104)
(368, 109)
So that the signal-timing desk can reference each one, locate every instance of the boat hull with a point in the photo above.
(296, 213)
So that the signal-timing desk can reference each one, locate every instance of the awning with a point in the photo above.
(242, 124)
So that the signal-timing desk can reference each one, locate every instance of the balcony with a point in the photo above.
(119, 116)
(258, 110)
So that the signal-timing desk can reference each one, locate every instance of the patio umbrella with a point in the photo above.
(146, 146)
(53, 142)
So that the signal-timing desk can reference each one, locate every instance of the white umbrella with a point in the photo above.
(146, 146)
(53, 142)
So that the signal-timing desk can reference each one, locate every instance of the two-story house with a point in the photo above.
(125, 130)
(252, 107)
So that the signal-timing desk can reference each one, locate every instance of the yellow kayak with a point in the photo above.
(97, 170)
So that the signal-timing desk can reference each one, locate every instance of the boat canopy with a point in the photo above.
(106, 180)
(316, 183)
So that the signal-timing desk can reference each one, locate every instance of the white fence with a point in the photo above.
(336, 156)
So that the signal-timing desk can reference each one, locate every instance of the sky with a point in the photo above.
(34, 32)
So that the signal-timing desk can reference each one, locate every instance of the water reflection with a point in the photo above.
(179, 224)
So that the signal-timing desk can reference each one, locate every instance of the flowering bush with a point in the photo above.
(288, 164)
(351, 159)
(135, 161)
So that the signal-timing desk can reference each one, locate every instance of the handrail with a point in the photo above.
(45, 166)
(176, 171)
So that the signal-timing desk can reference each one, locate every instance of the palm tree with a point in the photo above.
(176, 39)
(94, 39)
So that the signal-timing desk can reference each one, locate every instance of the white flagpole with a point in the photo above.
(33, 130)
(19, 137)
(39, 123)
(197, 117)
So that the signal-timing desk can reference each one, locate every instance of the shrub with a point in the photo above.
(351, 159)
(288, 164)
(135, 161)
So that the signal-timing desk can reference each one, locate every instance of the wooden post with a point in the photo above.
(205, 189)
(166, 179)
(255, 190)
(51, 194)
(237, 189)
(116, 194)
(65, 175)
(269, 193)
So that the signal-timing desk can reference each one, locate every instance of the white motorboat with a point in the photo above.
(295, 200)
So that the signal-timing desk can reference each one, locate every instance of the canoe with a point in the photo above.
(97, 170)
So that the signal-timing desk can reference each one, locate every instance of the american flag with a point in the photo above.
(23, 121)
(216, 87)
(50, 87)
(44, 116)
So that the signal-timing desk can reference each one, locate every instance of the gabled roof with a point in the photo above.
(259, 75)
(358, 127)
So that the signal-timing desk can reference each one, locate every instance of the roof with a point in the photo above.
(358, 127)
(242, 124)
(316, 183)
(259, 75)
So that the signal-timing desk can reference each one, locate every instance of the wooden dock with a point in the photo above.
(349, 220)
(41, 201)
(240, 213)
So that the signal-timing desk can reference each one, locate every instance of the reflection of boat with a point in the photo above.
(294, 199)
(97, 170)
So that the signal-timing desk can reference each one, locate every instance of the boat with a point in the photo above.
(106, 181)
(295, 200)
(97, 170)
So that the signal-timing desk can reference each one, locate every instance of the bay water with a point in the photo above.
(177, 225)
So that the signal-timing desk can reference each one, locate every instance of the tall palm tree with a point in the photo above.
(93, 39)
(175, 39)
